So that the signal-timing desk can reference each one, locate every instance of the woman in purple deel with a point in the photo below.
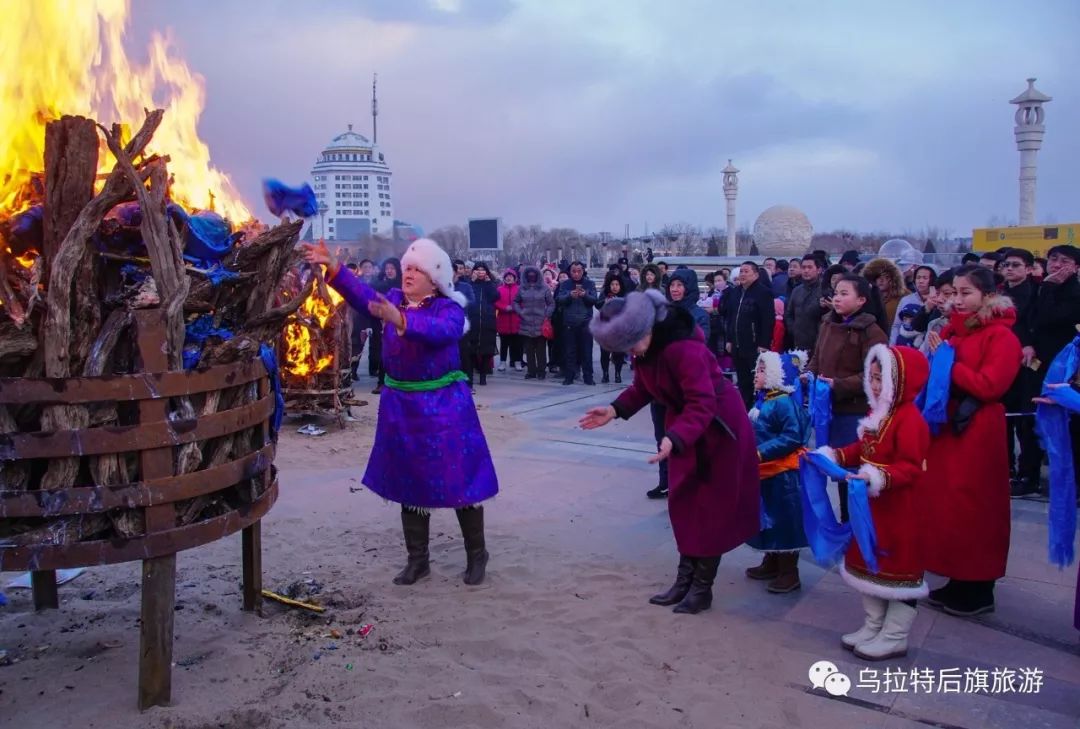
(429, 449)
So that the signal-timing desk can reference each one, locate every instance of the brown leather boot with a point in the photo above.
(787, 578)
(767, 570)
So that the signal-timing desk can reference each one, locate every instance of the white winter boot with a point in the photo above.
(891, 642)
(875, 617)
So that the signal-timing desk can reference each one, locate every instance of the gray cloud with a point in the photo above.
(489, 111)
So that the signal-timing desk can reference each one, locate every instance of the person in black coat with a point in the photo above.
(683, 292)
(389, 278)
(575, 298)
(802, 315)
(468, 342)
(1016, 268)
(359, 323)
(1057, 306)
(780, 280)
(750, 318)
(1055, 316)
(486, 291)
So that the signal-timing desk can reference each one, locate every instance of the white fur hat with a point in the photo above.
(426, 255)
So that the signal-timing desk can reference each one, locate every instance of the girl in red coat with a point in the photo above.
(890, 455)
(508, 323)
(778, 326)
(967, 515)
(714, 497)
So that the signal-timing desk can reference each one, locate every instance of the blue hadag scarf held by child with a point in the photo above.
(1052, 427)
(829, 538)
(933, 401)
(820, 408)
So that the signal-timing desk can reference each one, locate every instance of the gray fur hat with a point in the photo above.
(624, 322)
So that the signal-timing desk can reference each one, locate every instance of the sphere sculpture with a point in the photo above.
(783, 231)
(894, 248)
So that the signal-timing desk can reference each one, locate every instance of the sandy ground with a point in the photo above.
(559, 636)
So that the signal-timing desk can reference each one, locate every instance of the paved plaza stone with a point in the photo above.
(775, 639)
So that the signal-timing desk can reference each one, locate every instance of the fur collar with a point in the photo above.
(995, 309)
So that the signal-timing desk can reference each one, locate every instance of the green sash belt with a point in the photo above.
(427, 385)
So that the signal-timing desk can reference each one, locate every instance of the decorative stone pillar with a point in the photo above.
(731, 189)
(1029, 131)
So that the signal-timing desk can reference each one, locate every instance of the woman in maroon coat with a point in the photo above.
(968, 502)
(713, 497)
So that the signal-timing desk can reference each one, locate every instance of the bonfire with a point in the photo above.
(315, 372)
(100, 220)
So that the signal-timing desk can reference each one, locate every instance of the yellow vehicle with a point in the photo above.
(1035, 238)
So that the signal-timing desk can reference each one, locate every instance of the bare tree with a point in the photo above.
(715, 240)
(524, 244)
(744, 241)
(453, 239)
(568, 240)
(682, 239)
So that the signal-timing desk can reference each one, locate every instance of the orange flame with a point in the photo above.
(26, 260)
(68, 58)
(315, 312)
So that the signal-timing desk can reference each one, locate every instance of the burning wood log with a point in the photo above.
(91, 269)
(71, 160)
(71, 256)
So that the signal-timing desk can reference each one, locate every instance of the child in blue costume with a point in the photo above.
(429, 449)
(782, 429)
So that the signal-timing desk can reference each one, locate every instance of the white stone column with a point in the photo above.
(1029, 132)
(731, 190)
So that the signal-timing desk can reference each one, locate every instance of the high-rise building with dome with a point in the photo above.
(351, 178)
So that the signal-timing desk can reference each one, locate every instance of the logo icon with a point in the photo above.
(825, 675)
(837, 684)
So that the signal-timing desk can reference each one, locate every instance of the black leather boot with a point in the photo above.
(677, 591)
(415, 526)
(700, 595)
(476, 555)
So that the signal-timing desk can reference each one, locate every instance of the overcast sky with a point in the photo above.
(597, 113)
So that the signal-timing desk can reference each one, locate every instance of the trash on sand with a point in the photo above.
(293, 603)
(22, 582)
(348, 666)
(5, 660)
(455, 695)
(311, 429)
(365, 630)
(303, 589)
(335, 633)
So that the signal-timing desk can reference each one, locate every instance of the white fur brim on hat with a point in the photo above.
(426, 255)
(774, 371)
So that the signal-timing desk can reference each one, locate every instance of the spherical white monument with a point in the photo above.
(894, 248)
(783, 231)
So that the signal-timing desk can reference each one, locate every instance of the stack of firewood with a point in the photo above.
(66, 310)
